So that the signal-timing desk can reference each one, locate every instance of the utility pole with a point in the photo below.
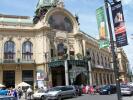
(114, 56)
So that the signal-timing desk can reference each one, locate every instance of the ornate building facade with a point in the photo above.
(50, 50)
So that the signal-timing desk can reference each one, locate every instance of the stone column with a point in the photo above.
(102, 79)
(84, 47)
(1, 74)
(18, 75)
(90, 73)
(66, 73)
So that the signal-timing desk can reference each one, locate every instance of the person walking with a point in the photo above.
(20, 92)
(91, 90)
(15, 94)
(87, 89)
(29, 93)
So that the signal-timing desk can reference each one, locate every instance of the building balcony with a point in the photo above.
(9, 61)
(26, 61)
(17, 61)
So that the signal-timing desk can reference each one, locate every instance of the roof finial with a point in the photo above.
(60, 3)
(77, 18)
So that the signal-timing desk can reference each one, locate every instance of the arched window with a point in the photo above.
(27, 51)
(60, 22)
(9, 50)
(60, 48)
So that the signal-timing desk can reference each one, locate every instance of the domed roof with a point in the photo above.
(46, 3)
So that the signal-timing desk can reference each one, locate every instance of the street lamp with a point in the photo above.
(116, 69)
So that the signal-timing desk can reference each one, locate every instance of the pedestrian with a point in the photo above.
(91, 90)
(15, 94)
(29, 93)
(87, 89)
(45, 88)
(20, 92)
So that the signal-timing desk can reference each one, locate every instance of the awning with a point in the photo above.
(56, 63)
(80, 63)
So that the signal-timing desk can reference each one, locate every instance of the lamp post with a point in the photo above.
(116, 69)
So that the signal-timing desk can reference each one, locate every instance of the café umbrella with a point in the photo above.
(1, 85)
(23, 84)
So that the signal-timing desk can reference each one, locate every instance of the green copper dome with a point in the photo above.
(46, 3)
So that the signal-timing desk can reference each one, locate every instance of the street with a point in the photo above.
(100, 97)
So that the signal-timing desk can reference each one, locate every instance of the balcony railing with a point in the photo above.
(17, 61)
(9, 61)
(26, 61)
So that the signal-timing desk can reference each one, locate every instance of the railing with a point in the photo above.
(61, 58)
(16, 61)
(9, 61)
(26, 61)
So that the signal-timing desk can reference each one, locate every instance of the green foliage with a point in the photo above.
(79, 56)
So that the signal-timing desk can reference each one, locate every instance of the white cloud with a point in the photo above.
(127, 2)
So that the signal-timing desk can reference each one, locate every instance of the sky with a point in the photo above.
(85, 9)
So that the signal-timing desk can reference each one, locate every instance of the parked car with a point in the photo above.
(7, 98)
(130, 83)
(126, 90)
(107, 89)
(60, 92)
(40, 94)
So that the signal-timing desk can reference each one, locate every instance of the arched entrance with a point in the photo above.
(78, 75)
(80, 79)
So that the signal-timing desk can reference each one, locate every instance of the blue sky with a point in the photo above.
(85, 10)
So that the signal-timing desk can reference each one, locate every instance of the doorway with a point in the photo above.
(80, 79)
(9, 78)
(58, 76)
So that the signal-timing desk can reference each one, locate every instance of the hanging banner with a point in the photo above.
(119, 25)
(101, 21)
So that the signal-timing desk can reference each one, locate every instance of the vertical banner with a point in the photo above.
(119, 25)
(101, 21)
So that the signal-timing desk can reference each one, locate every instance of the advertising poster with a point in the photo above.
(101, 21)
(40, 75)
(119, 24)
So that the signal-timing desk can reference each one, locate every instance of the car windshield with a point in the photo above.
(41, 91)
(124, 86)
(56, 89)
(105, 87)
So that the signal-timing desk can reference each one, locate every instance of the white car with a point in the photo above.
(130, 83)
(40, 94)
(126, 90)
